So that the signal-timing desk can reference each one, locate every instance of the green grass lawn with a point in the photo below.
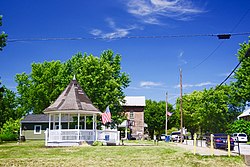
(34, 153)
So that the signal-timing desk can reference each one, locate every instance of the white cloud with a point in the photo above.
(95, 32)
(150, 11)
(111, 22)
(133, 88)
(116, 32)
(149, 84)
(202, 84)
(181, 59)
(151, 20)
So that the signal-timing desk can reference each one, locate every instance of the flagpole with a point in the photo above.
(181, 106)
(166, 113)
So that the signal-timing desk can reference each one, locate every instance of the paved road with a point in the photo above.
(244, 148)
(202, 149)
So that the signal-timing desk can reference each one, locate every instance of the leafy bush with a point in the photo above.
(8, 137)
(10, 129)
(97, 143)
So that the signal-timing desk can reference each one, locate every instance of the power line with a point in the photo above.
(125, 37)
(227, 36)
(247, 54)
(242, 17)
(205, 59)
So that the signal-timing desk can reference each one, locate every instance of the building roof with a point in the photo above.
(72, 100)
(34, 118)
(134, 101)
(245, 113)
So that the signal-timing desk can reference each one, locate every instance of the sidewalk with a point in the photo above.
(205, 151)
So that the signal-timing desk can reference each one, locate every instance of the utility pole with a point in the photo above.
(166, 113)
(181, 105)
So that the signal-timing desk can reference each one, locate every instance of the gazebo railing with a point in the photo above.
(71, 135)
(82, 135)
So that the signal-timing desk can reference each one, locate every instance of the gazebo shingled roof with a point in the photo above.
(72, 100)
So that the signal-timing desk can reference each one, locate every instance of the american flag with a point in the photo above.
(106, 116)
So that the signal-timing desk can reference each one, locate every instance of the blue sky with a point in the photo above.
(152, 63)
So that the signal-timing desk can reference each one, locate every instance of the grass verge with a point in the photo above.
(33, 153)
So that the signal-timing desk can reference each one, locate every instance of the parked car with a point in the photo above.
(220, 141)
(239, 137)
(176, 136)
(163, 136)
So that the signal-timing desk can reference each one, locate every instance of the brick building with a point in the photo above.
(134, 109)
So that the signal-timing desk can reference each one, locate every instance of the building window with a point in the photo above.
(37, 129)
(131, 115)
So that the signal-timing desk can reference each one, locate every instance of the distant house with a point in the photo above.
(245, 115)
(33, 126)
(134, 109)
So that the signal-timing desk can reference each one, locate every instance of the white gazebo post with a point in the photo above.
(60, 119)
(49, 126)
(54, 121)
(68, 119)
(95, 129)
(78, 124)
(85, 122)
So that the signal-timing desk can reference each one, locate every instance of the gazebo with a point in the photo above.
(81, 114)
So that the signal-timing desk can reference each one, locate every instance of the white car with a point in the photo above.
(176, 136)
(239, 137)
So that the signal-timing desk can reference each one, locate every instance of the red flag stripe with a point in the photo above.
(106, 116)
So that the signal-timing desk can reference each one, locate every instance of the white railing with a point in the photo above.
(82, 135)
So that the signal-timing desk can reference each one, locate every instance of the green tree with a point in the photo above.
(241, 86)
(240, 126)
(40, 88)
(192, 111)
(215, 112)
(208, 110)
(3, 36)
(8, 106)
(155, 117)
(100, 77)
